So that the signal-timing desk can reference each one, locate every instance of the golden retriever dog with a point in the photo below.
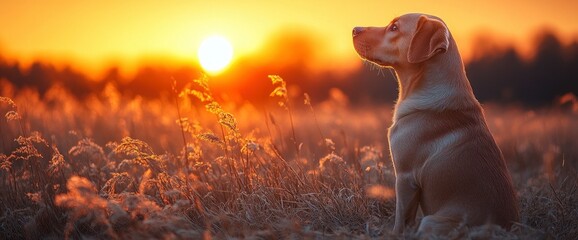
(445, 158)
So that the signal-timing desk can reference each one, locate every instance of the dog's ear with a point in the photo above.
(431, 37)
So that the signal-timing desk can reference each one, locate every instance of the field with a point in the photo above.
(191, 165)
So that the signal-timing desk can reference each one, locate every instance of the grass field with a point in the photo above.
(113, 167)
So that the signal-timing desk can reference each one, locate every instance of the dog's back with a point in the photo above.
(463, 176)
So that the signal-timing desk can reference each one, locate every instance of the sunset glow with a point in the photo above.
(98, 33)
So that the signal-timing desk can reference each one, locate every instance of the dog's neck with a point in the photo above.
(437, 84)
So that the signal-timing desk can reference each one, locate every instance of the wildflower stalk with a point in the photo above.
(277, 128)
(1, 139)
(226, 148)
(287, 166)
(281, 91)
(293, 128)
(186, 151)
(224, 119)
(15, 186)
(308, 103)
(13, 114)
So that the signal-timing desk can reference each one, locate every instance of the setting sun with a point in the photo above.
(215, 53)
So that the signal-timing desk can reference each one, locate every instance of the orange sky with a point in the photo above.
(94, 33)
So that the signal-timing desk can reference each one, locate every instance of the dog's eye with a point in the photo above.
(393, 27)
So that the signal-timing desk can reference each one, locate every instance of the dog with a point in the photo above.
(445, 159)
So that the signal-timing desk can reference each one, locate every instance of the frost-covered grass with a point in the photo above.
(110, 167)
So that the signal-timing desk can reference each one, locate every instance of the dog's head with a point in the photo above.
(409, 39)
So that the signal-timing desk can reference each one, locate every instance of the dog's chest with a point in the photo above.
(415, 139)
(406, 146)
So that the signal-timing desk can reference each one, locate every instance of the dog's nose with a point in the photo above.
(357, 30)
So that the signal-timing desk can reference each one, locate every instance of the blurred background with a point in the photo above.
(516, 52)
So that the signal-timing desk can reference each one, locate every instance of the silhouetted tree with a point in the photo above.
(552, 72)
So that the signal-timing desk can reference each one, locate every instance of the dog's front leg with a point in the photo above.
(407, 201)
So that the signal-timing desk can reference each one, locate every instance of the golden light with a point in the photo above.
(215, 53)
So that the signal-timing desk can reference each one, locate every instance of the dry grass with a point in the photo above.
(118, 168)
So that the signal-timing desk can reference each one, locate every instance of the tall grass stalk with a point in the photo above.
(281, 91)
(185, 165)
(308, 103)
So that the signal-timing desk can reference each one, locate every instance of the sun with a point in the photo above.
(215, 53)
